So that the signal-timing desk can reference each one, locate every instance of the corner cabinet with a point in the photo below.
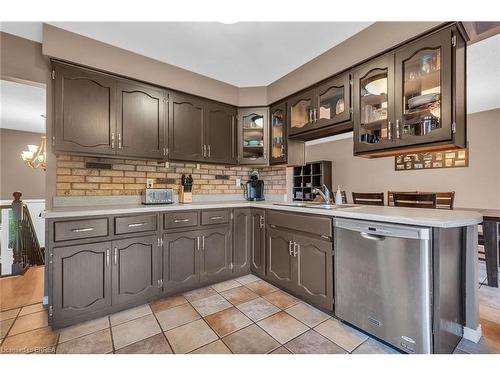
(412, 98)
(98, 114)
(253, 136)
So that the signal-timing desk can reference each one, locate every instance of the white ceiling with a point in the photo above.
(243, 54)
(22, 107)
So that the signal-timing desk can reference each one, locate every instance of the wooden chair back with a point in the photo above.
(372, 199)
(390, 196)
(444, 200)
(416, 200)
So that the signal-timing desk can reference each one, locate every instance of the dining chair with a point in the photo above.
(390, 196)
(417, 200)
(445, 200)
(372, 199)
(344, 197)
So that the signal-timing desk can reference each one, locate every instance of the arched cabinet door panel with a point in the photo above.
(180, 261)
(81, 280)
(84, 111)
(141, 121)
(280, 266)
(242, 243)
(215, 262)
(136, 266)
(258, 237)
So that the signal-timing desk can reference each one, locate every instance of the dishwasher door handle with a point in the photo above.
(372, 237)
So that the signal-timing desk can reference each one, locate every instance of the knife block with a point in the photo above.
(185, 197)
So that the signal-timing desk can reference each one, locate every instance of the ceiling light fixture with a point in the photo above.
(36, 156)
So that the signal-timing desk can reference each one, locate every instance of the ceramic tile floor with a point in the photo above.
(244, 315)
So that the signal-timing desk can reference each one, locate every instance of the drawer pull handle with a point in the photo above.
(107, 257)
(181, 220)
(216, 218)
(133, 225)
(78, 230)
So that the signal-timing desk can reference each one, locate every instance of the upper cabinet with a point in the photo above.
(84, 111)
(412, 98)
(281, 149)
(220, 134)
(98, 114)
(185, 127)
(253, 136)
(140, 121)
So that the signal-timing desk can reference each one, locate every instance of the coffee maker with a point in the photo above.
(254, 189)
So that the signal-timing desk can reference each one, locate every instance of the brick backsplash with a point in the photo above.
(128, 177)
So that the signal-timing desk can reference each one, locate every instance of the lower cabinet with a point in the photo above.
(215, 254)
(180, 260)
(302, 264)
(242, 245)
(136, 269)
(258, 242)
(81, 280)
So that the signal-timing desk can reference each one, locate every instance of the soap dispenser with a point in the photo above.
(338, 196)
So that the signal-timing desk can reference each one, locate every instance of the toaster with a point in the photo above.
(157, 196)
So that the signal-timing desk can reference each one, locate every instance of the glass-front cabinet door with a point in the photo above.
(373, 105)
(253, 135)
(423, 90)
(333, 100)
(300, 113)
(278, 139)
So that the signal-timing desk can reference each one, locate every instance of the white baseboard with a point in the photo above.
(473, 335)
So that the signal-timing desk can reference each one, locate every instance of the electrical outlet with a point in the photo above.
(198, 166)
(238, 182)
(149, 183)
(167, 164)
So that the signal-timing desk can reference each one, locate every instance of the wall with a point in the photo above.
(476, 186)
(15, 175)
(128, 177)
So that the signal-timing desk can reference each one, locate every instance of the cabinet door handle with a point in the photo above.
(116, 256)
(204, 151)
(261, 221)
(216, 218)
(398, 130)
(198, 243)
(119, 140)
(107, 257)
(389, 130)
(113, 140)
(315, 115)
(78, 230)
(181, 220)
(296, 249)
(209, 151)
(203, 242)
(310, 116)
(290, 247)
(133, 225)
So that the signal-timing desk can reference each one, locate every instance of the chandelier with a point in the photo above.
(36, 156)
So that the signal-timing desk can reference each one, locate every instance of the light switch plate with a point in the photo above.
(149, 183)
(238, 182)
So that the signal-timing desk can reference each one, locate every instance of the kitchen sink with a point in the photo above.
(321, 206)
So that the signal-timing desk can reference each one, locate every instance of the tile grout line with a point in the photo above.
(111, 333)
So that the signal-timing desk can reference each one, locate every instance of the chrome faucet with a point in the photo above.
(325, 195)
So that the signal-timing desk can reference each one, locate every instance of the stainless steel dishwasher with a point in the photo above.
(383, 281)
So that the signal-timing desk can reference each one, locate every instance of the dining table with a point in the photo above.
(491, 222)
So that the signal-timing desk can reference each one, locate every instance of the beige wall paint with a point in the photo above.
(15, 175)
(363, 45)
(252, 96)
(476, 186)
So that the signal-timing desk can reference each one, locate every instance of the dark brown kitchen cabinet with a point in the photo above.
(181, 261)
(253, 133)
(314, 270)
(186, 128)
(280, 260)
(412, 98)
(140, 121)
(84, 111)
(215, 254)
(300, 113)
(242, 244)
(333, 102)
(373, 105)
(136, 270)
(220, 134)
(258, 242)
(81, 281)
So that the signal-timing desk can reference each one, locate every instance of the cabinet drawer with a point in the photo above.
(136, 223)
(180, 220)
(318, 225)
(77, 229)
(214, 217)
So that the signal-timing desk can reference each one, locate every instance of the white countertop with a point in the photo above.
(399, 215)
